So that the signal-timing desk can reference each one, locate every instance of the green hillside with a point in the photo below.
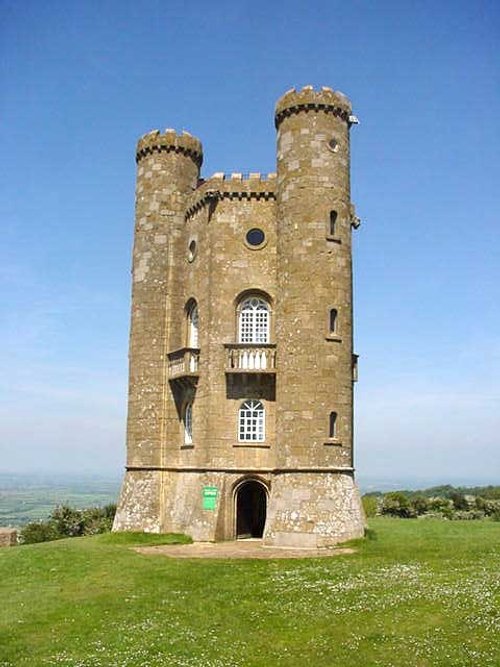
(25, 498)
(418, 593)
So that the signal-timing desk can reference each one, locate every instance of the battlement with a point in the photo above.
(310, 100)
(170, 141)
(253, 185)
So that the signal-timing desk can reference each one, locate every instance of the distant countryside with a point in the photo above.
(421, 590)
(26, 498)
(29, 498)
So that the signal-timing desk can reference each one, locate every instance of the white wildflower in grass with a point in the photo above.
(425, 594)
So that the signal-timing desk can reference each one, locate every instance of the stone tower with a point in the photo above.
(241, 361)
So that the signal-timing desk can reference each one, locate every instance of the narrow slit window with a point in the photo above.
(332, 426)
(193, 320)
(333, 223)
(188, 424)
(332, 321)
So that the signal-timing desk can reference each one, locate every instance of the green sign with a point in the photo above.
(210, 494)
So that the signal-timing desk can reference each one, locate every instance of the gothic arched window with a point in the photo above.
(253, 321)
(251, 422)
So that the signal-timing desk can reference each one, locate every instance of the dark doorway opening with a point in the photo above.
(251, 505)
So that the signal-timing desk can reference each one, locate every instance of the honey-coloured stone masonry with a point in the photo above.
(240, 413)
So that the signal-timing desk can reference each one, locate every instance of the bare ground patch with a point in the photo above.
(250, 549)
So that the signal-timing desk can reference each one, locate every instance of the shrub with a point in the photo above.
(397, 503)
(420, 504)
(467, 515)
(370, 505)
(68, 521)
(38, 531)
(459, 501)
(442, 505)
(495, 515)
(65, 521)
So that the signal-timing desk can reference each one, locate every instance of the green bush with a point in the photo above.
(459, 501)
(396, 503)
(370, 506)
(420, 504)
(65, 521)
(38, 531)
(495, 515)
(467, 515)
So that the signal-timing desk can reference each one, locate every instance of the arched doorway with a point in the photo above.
(251, 506)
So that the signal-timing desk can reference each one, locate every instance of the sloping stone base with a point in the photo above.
(305, 510)
(313, 510)
(139, 504)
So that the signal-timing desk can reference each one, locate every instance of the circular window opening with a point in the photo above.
(333, 145)
(191, 250)
(255, 237)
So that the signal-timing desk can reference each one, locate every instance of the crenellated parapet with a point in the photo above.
(232, 186)
(170, 142)
(309, 100)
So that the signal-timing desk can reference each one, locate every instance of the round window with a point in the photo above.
(255, 237)
(191, 250)
(333, 145)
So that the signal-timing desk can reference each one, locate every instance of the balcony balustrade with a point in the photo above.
(250, 358)
(184, 364)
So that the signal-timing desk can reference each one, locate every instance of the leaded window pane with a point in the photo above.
(251, 422)
(254, 321)
(193, 326)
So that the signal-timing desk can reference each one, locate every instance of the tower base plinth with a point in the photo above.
(313, 510)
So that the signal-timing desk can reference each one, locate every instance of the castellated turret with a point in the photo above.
(241, 360)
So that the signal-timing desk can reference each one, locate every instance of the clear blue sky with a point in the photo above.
(81, 81)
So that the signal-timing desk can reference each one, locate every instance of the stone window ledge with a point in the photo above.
(334, 338)
(333, 442)
(334, 239)
(187, 446)
(259, 445)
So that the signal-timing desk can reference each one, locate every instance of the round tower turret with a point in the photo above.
(314, 389)
(314, 304)
(168, 169)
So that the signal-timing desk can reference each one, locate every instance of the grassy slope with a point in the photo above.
(424, 593)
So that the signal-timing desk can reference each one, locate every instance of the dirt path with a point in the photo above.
(238, 549)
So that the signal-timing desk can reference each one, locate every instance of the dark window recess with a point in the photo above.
(333, 320)
(333, 145)
(332, 426)
(255, 237)
(333, 223)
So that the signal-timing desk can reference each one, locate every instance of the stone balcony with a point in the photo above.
(250, 358)
(183, 364)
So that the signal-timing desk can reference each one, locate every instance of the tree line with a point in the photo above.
(445, 502)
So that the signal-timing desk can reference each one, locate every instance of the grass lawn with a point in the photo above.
(421, 593)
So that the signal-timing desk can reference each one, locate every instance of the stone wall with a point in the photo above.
(8, 537)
